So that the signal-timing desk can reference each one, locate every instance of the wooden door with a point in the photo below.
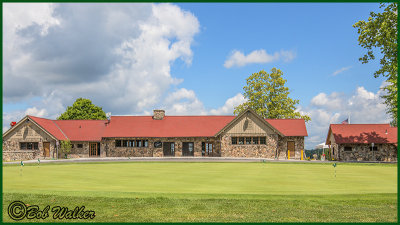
(93, 147)
(187, 149)
(46, 149)
(290, 148)
(169, 148)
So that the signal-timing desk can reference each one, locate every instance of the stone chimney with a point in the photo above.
(158, 114)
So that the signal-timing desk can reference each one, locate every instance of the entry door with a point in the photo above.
(94, 149)
(187, 149)
(169, 148)
(290, 147)
(46, 149)
(207, 149)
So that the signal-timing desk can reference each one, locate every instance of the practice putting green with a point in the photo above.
(185, 185)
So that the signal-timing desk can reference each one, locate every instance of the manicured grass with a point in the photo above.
(210, 192)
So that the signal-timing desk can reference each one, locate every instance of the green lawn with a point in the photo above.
(209, 192)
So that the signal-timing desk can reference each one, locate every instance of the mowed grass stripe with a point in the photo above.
(202, 178)
(276, 208)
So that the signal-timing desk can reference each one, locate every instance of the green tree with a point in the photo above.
(268, 96)
(65, 147)
(83, 109)
(380, 32)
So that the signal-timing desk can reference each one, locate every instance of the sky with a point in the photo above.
(188, 59)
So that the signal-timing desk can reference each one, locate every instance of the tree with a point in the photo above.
(65, 147)
(268, 96)
(381, 32)
(83, 109)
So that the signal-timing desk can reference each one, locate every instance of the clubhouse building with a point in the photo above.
(362, 142)
(245, 135)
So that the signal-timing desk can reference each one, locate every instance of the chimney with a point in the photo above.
(158, 114)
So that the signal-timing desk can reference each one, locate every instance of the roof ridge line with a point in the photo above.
(60, 129)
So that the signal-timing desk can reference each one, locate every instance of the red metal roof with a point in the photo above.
(363, 133)
(170, 126)
(82, 130)
(146, 126)
(49, 126)
(289, 127)
(74, 130)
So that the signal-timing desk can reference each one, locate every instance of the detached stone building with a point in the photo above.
(245, 135)
(362, 142)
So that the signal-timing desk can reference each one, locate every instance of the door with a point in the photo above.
(46, 149)
(187, 149)
(207, 149)
(94, 149)
(169, 148)
(290, 148)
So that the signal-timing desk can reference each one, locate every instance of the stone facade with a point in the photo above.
(27, 132)
(362, 152)
(298, 146)
(110, 150)
(267, 150)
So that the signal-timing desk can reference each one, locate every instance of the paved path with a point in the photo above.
(172, 159)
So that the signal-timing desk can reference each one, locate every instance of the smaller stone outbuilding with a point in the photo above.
(362, 142)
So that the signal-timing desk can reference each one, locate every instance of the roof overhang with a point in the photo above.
(242, 114)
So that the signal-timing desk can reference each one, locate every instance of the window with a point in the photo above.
(348, 149)
(263, 141)
(241, 140)
(72, 145)
(146, 143)
(375, 148)
(139, 143)
(125, 143)
(79, 145)
(118, 143)
(29, 145)
(248, 140)
(132, 143)
(255, 140)
(234, 140)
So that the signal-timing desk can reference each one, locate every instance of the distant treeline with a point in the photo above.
(318, 152)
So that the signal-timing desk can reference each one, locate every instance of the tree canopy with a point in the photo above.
(83, 109)
(380, 32)
(267, 95)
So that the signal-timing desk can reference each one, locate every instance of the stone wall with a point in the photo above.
(111, 151)
(361, 152)
(26, 132)
(251, 151)
(298, 146)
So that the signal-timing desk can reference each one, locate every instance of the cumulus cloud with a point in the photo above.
(229, 106)
(238, 58)
(361, 105)
(341, 70)
(118, 55)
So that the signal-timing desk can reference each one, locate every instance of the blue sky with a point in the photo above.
(188, 58)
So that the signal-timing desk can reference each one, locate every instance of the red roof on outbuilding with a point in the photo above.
(363, 133)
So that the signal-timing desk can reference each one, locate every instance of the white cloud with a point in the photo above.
(238, 58)
(229, 106)
(341, 70)
(362, 106)
(118, 55)
(36, 112)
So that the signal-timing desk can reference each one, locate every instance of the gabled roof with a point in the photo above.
(74, 130)
(242, 114)
(289, 127)
(146, 126)
(362, 133)
(170, 126)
